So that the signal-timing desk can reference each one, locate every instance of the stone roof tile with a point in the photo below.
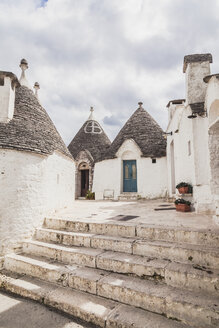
(95, 143)
(31, 129)
(145, 131)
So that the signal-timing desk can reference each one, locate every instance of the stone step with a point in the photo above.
(90, 308)
(104, 228)
(172, 273)
(186, 253)
(129, 196)
(133, 229)
(113, 243)
(186, 306)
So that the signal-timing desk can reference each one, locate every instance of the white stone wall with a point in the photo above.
(151, 178)
(192, 167)
(31, 187)
(195, 86)
(7, 97)
(212, 102)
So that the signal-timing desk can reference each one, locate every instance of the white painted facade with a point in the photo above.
(7, 96)
(32, 186)
(192, 149)
(151, 177)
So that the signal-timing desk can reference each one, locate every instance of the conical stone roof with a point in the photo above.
(145, 131)
(90, 137)
(31, 129)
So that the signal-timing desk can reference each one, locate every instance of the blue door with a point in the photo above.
(129, 176)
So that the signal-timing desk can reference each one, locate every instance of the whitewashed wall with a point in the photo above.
(151, 178)
(181, 127)
(212, 102)
(191, 167)
(31, 187)
(7, 96)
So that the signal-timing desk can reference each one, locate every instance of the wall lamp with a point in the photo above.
(198, 110)
(168, 133)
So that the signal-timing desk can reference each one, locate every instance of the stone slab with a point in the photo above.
(178, 235)
(111, 243)
(64, 237)
(71, 255)
(192, 277)
(131, 264)
(187, 253)
(85, 306)
(126, 316)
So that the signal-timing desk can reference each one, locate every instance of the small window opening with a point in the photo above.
(189, 148)
(154, 160)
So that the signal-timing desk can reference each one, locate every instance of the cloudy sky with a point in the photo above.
(109, 54)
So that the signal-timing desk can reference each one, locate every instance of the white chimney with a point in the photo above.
(196, 68)
(8, 83)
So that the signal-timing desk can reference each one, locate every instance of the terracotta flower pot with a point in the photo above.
(183, 190)
(183, 208)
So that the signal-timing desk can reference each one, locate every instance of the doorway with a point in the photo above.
(129, 176)
(84, 182)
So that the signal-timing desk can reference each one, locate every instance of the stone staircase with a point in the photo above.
(120, 274)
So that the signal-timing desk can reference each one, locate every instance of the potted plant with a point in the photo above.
(184, 188)
(182, 205)
(90, 195)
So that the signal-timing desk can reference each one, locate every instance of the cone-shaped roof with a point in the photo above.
(90, 137)
(31, 129)
(145, 131)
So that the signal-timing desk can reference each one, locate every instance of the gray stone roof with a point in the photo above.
(31, 129)
(145, 131)
(95, 143)
(196, 58)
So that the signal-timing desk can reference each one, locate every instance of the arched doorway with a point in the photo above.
(84, 178)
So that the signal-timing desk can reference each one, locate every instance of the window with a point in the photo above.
(154, 160)
(126, 171)
(92, 127)
(189, 148)
(134, 175)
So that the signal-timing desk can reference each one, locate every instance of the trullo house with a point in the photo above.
(88, 147)
(36, 169)
(134, 166)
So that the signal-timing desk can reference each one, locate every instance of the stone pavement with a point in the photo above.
(98, 211)
(21, 313)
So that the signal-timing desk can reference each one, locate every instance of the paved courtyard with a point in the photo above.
(17, 312)
(104, 211)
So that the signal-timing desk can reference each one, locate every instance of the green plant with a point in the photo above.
(182, 184)
(185, 184)
(90, 195)
(182, 201)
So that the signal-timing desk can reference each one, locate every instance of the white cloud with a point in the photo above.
(106, 53)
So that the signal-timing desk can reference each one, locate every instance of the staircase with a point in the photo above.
(120, 274)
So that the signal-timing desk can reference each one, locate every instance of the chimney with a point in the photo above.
(196, 67)
(8, 83)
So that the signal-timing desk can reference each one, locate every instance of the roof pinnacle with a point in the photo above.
(24, 66)
(36, 87)
(91, 117)
(140, 104)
